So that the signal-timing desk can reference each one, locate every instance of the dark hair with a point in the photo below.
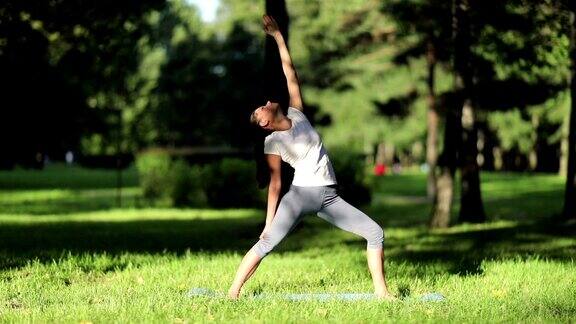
(262, 170)
(253, 119)
(258, 136)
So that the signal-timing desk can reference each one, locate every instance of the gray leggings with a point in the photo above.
(324, 201)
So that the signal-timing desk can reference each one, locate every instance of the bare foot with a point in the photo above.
(233, 294)
(386, 296)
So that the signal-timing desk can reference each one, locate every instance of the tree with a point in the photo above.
(446, 168)
(521, 51)
(507, 56)
(195, 84)
(64, 64)
(471, 206)
(434, 45)
(345, 55)
(430, 22)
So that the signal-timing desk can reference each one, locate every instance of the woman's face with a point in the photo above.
(266, 114)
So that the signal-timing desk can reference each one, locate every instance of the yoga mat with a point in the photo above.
(205, 292)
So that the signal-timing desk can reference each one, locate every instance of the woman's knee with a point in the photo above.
(374, 236)
(264, 246)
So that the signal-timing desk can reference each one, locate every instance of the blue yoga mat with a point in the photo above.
(205, 292)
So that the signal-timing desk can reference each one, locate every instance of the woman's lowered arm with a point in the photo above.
(274, 164)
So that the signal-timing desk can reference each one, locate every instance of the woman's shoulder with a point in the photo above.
(273, 137)
(269, 137)
(294, 111)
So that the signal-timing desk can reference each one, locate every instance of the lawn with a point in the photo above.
(69, 254)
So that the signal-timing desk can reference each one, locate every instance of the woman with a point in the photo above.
(313, 189)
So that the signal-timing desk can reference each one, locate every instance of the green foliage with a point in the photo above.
(153, 168)
(520, 130)
(533, 45)
(557, 113)
(232, 183)
(184, 184)
(65, 62)
(154, 74)
(224, 184)
(345, 55)
(512, 130)
(165, 179)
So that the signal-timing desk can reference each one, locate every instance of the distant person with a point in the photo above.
(69, 157)
(42, 160)
(379, 169)
(313, 189)
(397, 166)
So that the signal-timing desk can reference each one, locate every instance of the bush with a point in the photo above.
(225, 184)
(232, 183)
(167, 181)
(350, 172)
(184, 187)
(152, 169)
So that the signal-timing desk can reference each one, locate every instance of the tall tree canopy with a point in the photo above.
(54, 55)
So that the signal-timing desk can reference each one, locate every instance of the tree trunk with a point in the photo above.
(569, 211)
(563, 169)
(533, 154)
(471, 206)
(432, 121)
(446, 164)
(446, 168)
(498, 161)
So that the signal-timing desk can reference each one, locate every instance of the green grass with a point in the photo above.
(61, 189)
(68, 255)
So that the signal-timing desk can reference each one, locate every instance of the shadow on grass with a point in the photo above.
(462, 252)
(529, 233)
(20, 242)
(523, 207)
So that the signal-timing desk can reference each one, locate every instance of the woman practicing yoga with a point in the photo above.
(313, 189)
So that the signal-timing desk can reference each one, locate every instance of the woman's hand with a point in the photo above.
(270, 26)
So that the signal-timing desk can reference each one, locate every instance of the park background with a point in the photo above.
(129, 170)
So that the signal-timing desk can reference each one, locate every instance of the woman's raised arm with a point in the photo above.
(271, 28)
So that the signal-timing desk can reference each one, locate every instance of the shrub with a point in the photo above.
(167, 181)
(232, 183)
(225, 184)
(184, 185)
(153, 166)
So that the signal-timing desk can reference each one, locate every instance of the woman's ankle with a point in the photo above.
(233, 293)
(382, 290)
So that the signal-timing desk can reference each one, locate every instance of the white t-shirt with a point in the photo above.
(302, 148)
